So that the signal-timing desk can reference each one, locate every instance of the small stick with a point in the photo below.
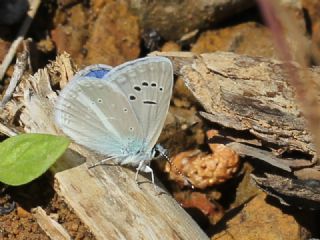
(52, 228)
(19, 69)
(7, 131)
(34, 5)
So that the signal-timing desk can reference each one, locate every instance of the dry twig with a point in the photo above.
(34, 5)
(19, 69)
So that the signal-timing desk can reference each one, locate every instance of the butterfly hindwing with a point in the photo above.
(96, 114)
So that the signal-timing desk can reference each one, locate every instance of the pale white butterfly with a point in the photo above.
(118, 112)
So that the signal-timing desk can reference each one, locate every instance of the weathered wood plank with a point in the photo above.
(113, 206)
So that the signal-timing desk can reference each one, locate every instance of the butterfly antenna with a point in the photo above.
(176, 169)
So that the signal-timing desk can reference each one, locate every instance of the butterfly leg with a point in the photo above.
(148, 169)
(137, 172)
(101, 162)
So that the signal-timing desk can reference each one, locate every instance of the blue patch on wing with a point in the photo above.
(98, 73)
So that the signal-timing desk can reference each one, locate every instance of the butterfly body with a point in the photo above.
(118, 112)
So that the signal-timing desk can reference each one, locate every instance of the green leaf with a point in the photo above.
(27, 156)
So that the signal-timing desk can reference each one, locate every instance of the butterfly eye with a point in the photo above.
(131, 129)
(125, 109)
(99, 100)
(153, 84)
(145, 84)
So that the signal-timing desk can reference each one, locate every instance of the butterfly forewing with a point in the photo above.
(96, 114)
(147, 84)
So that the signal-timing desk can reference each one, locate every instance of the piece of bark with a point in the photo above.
(106, 198)
(259, 154)
(246, 93)
(251, 95)
(53, 229)
(251, 148)
(304, 194)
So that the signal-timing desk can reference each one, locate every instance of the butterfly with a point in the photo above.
(118, 112)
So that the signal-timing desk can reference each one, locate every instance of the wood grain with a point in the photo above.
(113, 206)
(247, 94)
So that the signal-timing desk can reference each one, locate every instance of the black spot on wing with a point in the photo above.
(149, 102)
(132, 97)
(137, 88)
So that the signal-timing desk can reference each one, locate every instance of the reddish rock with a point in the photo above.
(104, 33)
(171, 47)
(113, 36)
(212, 210)
(247, 38)
(4, 47)
(70, 32)
(23, 213)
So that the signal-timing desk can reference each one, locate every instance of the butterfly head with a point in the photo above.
(134, 153)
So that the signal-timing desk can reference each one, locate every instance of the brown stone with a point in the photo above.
(247, 38)
(70, 32)
(260, 220)
(114, 36)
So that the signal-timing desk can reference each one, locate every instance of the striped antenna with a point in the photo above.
(162, 151)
